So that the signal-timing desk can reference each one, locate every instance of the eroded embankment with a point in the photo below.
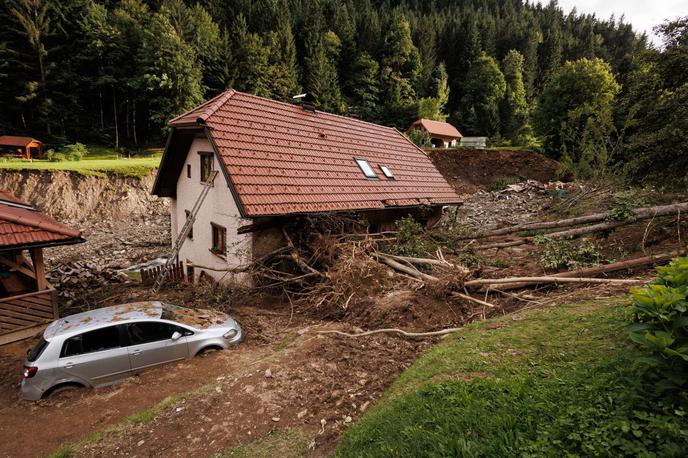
(74, 197)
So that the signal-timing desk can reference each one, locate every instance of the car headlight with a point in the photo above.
(230, 334)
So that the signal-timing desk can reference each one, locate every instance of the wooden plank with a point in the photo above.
(25, 310)
(6, 318)
(21, 334)
(44, 297)
(38, 294)
(6, 314)
(35, 304)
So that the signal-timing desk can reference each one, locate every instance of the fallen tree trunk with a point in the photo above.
(607, 268)
(393, 331)
(405, 269)
(588, 229)
(424, 261)
(638, 214)
(548, 279)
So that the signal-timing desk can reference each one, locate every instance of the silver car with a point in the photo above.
(103, 346)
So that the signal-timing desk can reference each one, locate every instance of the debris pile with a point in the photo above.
(73, 278)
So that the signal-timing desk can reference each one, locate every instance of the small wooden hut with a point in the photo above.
(23, 147)
(26, 299)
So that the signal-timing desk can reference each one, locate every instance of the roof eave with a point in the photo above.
(52, 243)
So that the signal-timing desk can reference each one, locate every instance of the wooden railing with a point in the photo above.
(27, 310)
(175, 274)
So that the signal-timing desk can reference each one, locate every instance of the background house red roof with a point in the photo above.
(441, 129)
(21, 226)
(12, 140)
(283, 159)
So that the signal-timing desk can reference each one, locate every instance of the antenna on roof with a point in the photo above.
(305, 101)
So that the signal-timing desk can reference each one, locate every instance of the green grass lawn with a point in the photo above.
(100, 159)
(554, 382)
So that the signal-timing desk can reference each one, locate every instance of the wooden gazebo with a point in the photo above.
(23, 147)
(26, 299)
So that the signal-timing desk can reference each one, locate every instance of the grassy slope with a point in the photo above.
(100, 159)
(556, 382)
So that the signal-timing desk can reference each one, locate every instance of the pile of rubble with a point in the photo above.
(72, 278)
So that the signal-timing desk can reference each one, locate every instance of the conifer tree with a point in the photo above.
(484, 89)
(284, 72)
(514, 112)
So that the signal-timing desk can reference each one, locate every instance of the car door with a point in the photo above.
(151, 344)
(96, 357)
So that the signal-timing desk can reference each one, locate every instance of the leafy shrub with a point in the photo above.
(564, 254)
(411, 240)
(420, 138)
(502, 182)
(54, 156)
(74, 152)
(660, 326)
(622, 206)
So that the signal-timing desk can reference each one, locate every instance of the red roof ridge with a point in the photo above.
(348, 118)
(206, 109)
(441, 128)
(17, 140)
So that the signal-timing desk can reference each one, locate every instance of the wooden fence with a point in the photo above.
(26, 311)
(175, 274)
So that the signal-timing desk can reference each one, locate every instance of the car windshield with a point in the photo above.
(199, 318)
(33, 354)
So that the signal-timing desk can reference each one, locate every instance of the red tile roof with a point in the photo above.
(21, 226)
(12, 140)
(442, 129)
(282, 159)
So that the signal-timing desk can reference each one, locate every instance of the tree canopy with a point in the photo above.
(115, 71)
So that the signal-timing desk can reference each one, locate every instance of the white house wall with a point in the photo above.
(219, 208)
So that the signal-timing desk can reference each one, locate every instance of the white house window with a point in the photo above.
(366, 168)
(387, 172)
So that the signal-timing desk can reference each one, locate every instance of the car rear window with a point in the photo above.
(33, 354)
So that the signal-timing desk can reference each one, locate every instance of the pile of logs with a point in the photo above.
(582, 225)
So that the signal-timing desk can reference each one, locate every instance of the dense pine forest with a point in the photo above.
(587, 91)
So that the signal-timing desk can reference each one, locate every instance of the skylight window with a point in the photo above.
(388, 173)
(366, 168)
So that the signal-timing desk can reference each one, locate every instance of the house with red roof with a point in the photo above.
(26, 299)
(277, 160)
(442, 134)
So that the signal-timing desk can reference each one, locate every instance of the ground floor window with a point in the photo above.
(219, 239)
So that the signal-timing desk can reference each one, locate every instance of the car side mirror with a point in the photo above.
(177, 335)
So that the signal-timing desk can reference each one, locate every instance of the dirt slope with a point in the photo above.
(471, 170)
(74, 197)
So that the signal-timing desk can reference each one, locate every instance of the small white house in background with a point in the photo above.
(278, 161)
(442, 134)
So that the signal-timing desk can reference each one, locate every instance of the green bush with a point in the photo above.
(564, 254)
(420, 138)
(660, 326)
(54, 156)
(74, 152)
(503, 182)
(411, 239)
(622, 206)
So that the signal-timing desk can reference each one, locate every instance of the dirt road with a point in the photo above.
(288, 377)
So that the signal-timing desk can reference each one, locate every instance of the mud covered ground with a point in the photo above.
(285, 376)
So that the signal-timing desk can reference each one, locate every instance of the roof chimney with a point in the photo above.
(305, 100)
